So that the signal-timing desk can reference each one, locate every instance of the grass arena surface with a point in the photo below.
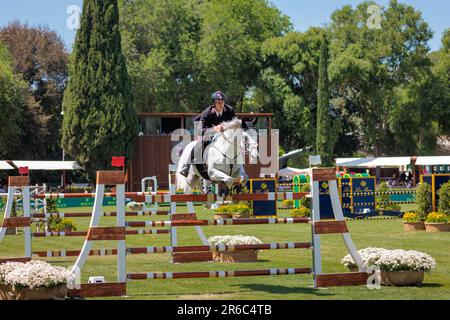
(387, 234)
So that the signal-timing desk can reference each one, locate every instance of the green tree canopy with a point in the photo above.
(180, 51)
(40, 57)
(325, 137)
(99, 120)
(368, 64)
(13, 93)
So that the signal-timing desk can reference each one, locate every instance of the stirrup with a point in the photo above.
(185, 170)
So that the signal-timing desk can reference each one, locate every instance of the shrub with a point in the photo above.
(222, 209)
(288, 204)
(411, 217)
(58, 224)
(66, 224)
(436, 217)
(234, 208)
(423, 200)
(242, 208)
(305, 202)
(51, 205)
(444, 198)
(301, 212)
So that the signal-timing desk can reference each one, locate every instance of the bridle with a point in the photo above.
(247, 146)
(230, 142)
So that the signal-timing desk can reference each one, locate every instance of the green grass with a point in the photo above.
(380, 233)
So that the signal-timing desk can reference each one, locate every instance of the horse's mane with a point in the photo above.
(232, 124)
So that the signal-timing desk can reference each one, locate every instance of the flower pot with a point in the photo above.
(219, 216)
(437, 227)
(236, 256)
(5, 292)
(401, 278)
(241, 215)
(413, 226)
(43, 293)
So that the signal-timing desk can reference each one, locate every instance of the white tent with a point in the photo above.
(292, 172)
(48, 165)
(433, 161)
(5, 166)
(373, 162)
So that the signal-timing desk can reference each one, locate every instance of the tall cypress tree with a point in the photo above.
(324, 136)
(99, 117)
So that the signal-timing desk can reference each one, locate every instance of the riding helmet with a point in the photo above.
(218, 95)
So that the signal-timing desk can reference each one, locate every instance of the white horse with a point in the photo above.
(224, 157)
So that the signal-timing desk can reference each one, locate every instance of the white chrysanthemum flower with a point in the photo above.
(393, 260)
(33, 274)
(233, 240)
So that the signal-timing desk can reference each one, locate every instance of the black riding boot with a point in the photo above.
(185, 169)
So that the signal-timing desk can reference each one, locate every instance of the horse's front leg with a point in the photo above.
(217, 175)
(241, 175)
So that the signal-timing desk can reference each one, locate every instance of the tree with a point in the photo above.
(441, 78)
(12, 98)
(368, 65)
(99, 120)
(180, 51)
(40, 57)
(287, 85)
(324, 138)
(159, 42)
(230, 47)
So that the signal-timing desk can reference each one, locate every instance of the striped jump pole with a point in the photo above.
(170, 249)
(217, 274)
(103, 214)
(216, 248)
(85, 233)
(74, 253)
(219, 222)
(149, 197)
(15, 184)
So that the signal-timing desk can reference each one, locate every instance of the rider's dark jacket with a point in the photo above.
(209, 118)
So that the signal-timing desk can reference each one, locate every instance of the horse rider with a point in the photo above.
(210, 123)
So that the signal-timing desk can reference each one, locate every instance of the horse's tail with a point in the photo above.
(181, 183)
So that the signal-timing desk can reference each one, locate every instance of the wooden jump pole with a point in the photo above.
(217, 274)
(167, 197)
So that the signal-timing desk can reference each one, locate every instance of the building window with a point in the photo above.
(151, 126)
(169, 125)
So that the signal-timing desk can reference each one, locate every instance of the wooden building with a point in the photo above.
(153, 147)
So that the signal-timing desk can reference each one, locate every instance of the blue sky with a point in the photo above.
(303, 13)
